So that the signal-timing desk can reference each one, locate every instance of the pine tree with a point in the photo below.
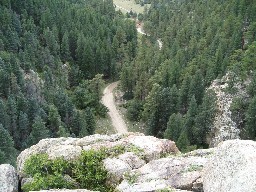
(39, 131)
(251, 120)
(54, 120)
(65, 50)
(7, 150)
(90, 121)
(196, 87)
(183, 142)
(150, 113)
(23, 127)
(62, 132)
(183, 96)
(190, 120)
(205, 117)
(174, 127)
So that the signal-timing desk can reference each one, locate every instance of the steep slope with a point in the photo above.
(202, 41)
(50, 55)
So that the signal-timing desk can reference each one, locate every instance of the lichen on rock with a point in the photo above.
(231, 168)
(8, 178)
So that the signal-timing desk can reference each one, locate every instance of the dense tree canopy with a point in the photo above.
(202, 40)
(51, 53)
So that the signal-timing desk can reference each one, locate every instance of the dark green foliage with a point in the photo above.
(7, 150)
(46, 173)
(174, 128)
(183, 142)
(190, 120)
(238, 108)
(90, 124)
(250, 118)
(204, 118)
(38, 132)
(48, 49)
(87, 172)
(134, 110)
(201, 41)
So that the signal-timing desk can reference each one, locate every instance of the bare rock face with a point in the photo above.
(116, 168)
(179, 172)
(68, 148)
(65, 190)
(232, 168)
(224, 127)
(132, 160)
(8, 178)
(146, 148)
(152, 146)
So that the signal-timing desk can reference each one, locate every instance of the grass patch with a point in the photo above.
(130, 5)
(131, 177)
(104, 126)
(165, 190)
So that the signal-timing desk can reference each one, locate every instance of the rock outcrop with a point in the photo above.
(156, 164)
(232, 168)
(66, 190)
(224, 127)
(179, 172)
(148, 148)
(8, 178)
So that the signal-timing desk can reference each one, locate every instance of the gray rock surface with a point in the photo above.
(180, 172)
(132, 160)
(65, 190)
(116, 168)
(69, 148)
(232, 168)
(224, 127)
(145, 148)
(152, 146)
(8, 178)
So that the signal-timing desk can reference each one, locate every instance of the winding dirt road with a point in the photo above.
(160, 43)
(109, 102)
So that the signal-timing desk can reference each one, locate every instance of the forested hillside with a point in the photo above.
(54, 55)
(50, 54)
(202, 40)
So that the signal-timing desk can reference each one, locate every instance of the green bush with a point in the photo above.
(87, 172)
(47, 173)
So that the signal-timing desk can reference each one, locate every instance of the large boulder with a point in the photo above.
(138, 149)
(65, 190)
(179, 172)
(232, 168)
(68, 148)
(8, 178)
(116, 169)
(153, 147)
(224, 127)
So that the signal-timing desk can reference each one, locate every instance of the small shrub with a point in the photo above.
(46, 173)
(194, 168)
(89, 171)
(166, 190)
(131, 177)
(86, 172)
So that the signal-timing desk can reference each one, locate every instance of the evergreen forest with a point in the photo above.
(202, 41)
(56, 54)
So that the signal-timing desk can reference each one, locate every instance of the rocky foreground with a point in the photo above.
(160, 166)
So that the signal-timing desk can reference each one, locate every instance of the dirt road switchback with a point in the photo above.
(109, 102)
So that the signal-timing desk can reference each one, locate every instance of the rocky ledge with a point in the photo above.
(155, 165)
(8, 178)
